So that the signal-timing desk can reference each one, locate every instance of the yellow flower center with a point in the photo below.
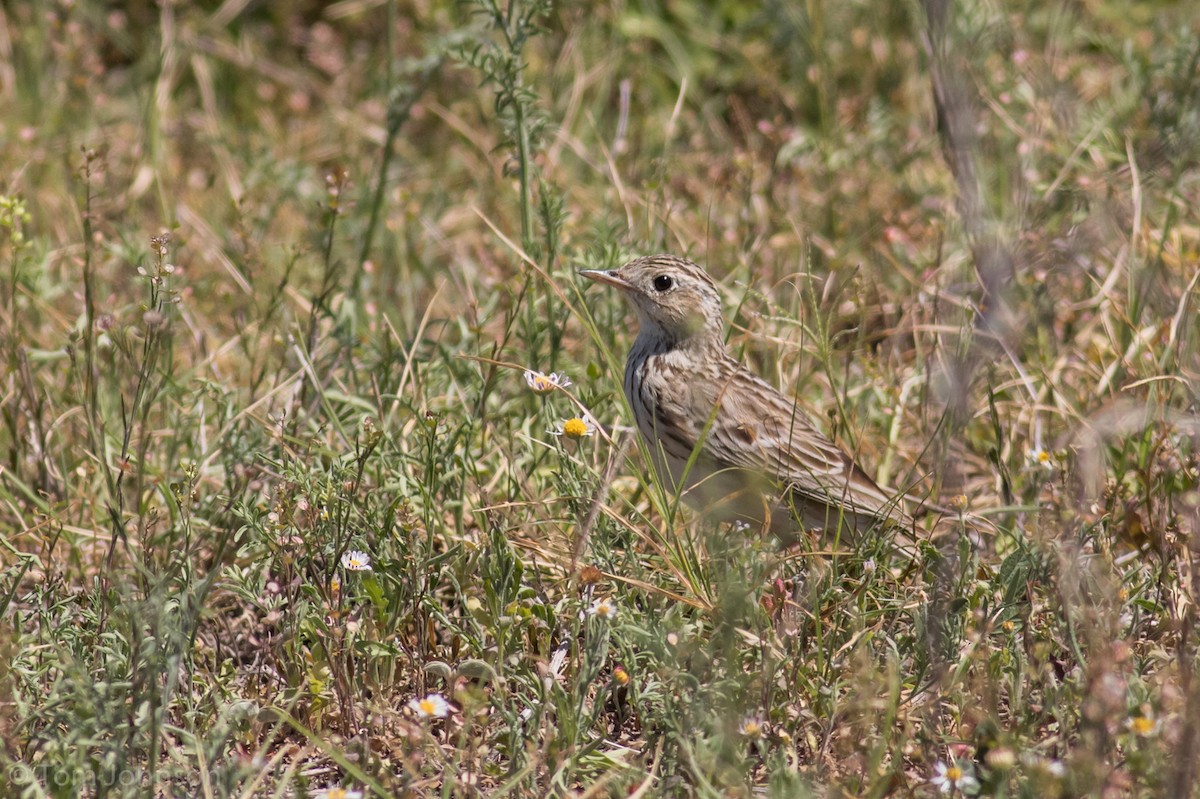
(1142, 725)
(427, 706)
(954, 774)
(1043, 457)
(575, 428)
(542, 383)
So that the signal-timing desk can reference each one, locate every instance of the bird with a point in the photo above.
(727, 441)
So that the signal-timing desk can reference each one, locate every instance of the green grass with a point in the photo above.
(268, 284)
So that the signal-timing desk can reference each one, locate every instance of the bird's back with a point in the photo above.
(759, 457)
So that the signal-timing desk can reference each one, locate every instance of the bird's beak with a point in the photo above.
(608, 277)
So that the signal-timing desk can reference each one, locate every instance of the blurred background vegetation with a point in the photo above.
(270, 275)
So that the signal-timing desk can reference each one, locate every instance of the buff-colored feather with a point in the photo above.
(753, 454)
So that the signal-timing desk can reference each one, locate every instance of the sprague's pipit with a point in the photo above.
(732, 445)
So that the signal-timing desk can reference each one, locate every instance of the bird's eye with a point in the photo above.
(663, 283)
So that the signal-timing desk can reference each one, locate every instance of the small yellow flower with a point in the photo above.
(1142, 725)
(543, 384)
(433, 706)
(620, 676)
(575, 428)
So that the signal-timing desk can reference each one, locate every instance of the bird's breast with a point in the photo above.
(671, 409)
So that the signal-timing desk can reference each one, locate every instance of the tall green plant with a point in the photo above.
(497, 53)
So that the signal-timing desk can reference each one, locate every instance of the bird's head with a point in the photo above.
(673, 297)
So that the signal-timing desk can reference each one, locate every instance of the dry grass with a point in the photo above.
(269, 280)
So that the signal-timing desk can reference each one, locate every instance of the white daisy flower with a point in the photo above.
(337, 792)
(752, 727)
(603, 608)
(356, 561)
(947, 778)
(543, 384)
(433, 706)
(1041, 459)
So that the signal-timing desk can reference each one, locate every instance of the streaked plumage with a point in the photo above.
(760, 458)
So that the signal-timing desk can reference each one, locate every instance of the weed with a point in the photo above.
(316, 476)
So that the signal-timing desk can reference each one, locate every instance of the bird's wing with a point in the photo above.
(755, 427)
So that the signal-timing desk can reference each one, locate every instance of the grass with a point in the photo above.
(269, 281)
